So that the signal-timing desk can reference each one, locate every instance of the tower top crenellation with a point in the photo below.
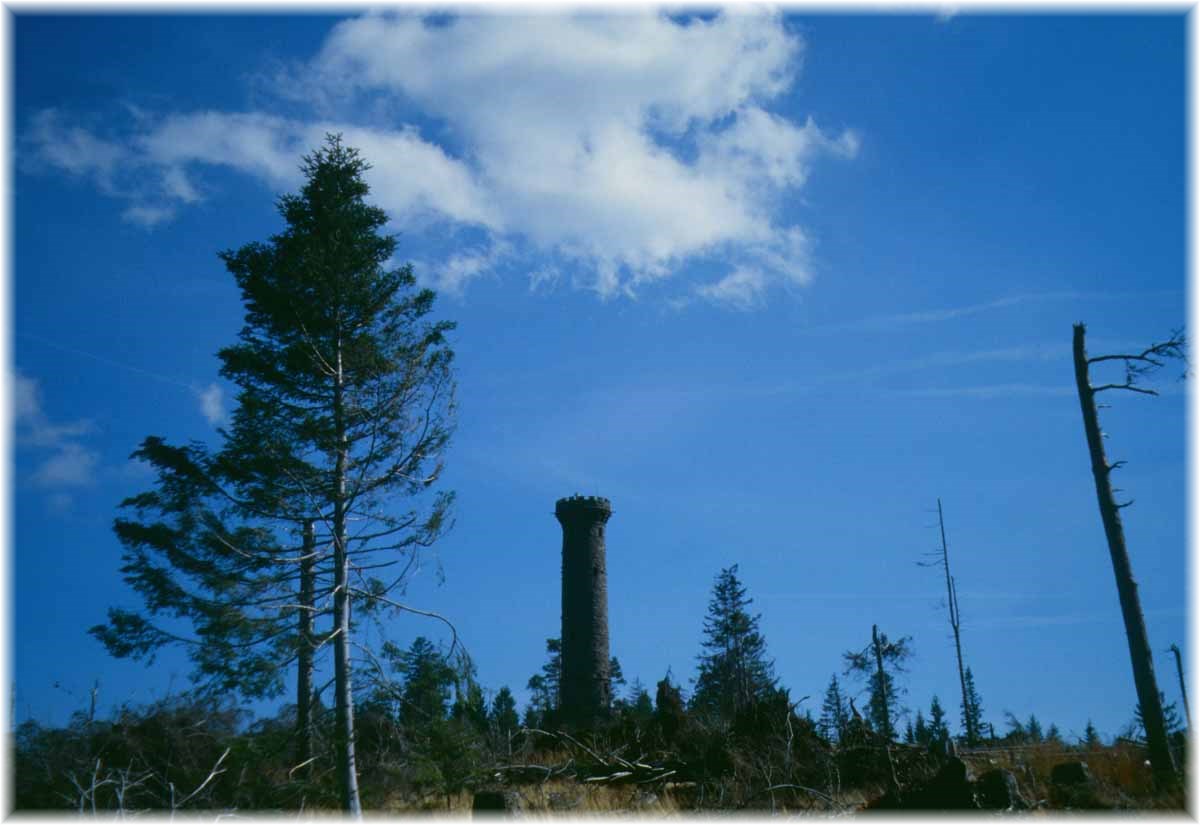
(577, 505)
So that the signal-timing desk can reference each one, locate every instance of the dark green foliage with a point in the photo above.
(616, 680)
(428, 681)
(670, 711)
(921, 734)
(734, 671)
(1171, 718)
(344, 410)
(1033, 729)
(835, 712)
(208, 577)
(158, 758)
(937, 722)
(503, 719)
(544, 687)
(972, 712)
(879, 662)
(1091, 739)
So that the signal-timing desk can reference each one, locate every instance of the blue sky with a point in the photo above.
(771, 282)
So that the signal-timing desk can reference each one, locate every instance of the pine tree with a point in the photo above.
(1091, 739)
(345, 395)
(639, 701)
(937, 722)
(1033, 729)
(1053, 734)
(878, 662)
(734, 671)
(835, 713)
(428, 681)
(503, 714)
(1170, 714)
(616, 679)
(921, 730)
(544, 687)
(972, 712)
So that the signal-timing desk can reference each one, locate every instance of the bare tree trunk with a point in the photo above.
(347, 770)
(1182, 685)
(952, 599)
(304, 680)
(1131, 606)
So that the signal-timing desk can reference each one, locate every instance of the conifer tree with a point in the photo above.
(734, 670)
(1033, 729)
(937, 722)
(344, 411)
(616, 680)
(921, 730)
(1091, 739)
(878, 662)
(972, 711)
(428, 681)
(835, 713)
(340, 367)
(503, 714)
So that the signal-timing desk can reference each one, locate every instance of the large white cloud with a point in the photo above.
(624, 145)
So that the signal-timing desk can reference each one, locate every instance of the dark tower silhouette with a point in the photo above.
(584, 691)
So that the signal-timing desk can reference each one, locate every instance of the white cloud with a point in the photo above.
(148, 216)
(69, 463)
(622, 145)
(212, 404)
(72, 465)
(741, 289)
(74, 149)
(33, 428)
(453, 275)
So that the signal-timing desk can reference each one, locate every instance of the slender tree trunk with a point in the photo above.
(304, 680)
(1131, 606)
(881, 686)
(347, 769)
(952, 598)
(1187, 712)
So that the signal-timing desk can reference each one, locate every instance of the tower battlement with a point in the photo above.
(595, 508)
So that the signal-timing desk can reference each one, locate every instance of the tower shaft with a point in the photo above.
(584, 690)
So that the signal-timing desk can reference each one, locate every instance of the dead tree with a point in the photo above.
(1136, 365)
(1187, 711)
(943, 560)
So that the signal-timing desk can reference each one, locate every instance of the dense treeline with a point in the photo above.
(430, 732)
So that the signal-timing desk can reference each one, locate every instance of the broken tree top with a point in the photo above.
(577, 505)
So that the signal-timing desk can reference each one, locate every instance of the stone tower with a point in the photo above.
(584, 692)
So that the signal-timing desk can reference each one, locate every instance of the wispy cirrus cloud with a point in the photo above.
(64, 462)
(623, 147)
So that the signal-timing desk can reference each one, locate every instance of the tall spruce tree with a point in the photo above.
(734, 671)
(344, 411)
(345, 383)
